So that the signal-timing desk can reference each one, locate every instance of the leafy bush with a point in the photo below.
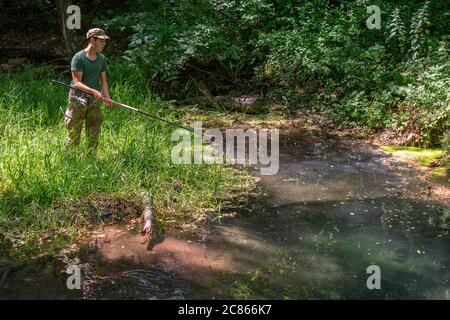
(324, 59)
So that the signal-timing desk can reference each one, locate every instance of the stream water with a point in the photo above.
(336, 207)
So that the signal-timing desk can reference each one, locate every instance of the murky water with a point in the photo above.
(336, 207)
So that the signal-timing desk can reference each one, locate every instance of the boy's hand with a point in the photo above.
(97, 94)
(107, 103)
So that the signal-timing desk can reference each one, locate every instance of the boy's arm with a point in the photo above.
(105, 88)
(76, 77)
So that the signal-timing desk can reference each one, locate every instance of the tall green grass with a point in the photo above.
(41, 181)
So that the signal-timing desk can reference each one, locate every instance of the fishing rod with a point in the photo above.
(126, 106)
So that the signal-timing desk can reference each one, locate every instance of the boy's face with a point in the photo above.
(98, 44)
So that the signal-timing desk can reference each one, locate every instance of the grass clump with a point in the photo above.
(435, 159)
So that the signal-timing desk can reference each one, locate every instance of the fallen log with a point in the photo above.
(153, 235)
(243, 103)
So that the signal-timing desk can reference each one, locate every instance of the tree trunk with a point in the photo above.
(68, 35)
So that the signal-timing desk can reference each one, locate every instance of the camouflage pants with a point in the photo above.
(78, 112)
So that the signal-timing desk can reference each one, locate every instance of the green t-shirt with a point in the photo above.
(91, 69)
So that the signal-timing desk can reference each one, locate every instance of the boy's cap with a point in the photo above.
(98, 33)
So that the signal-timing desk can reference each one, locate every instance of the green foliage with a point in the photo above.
(179, 35)
(396, 32)
(324, 59)
(446, 142)
(418, 31)
(425, 108)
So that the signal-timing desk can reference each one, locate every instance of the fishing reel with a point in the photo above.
(82, 100)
